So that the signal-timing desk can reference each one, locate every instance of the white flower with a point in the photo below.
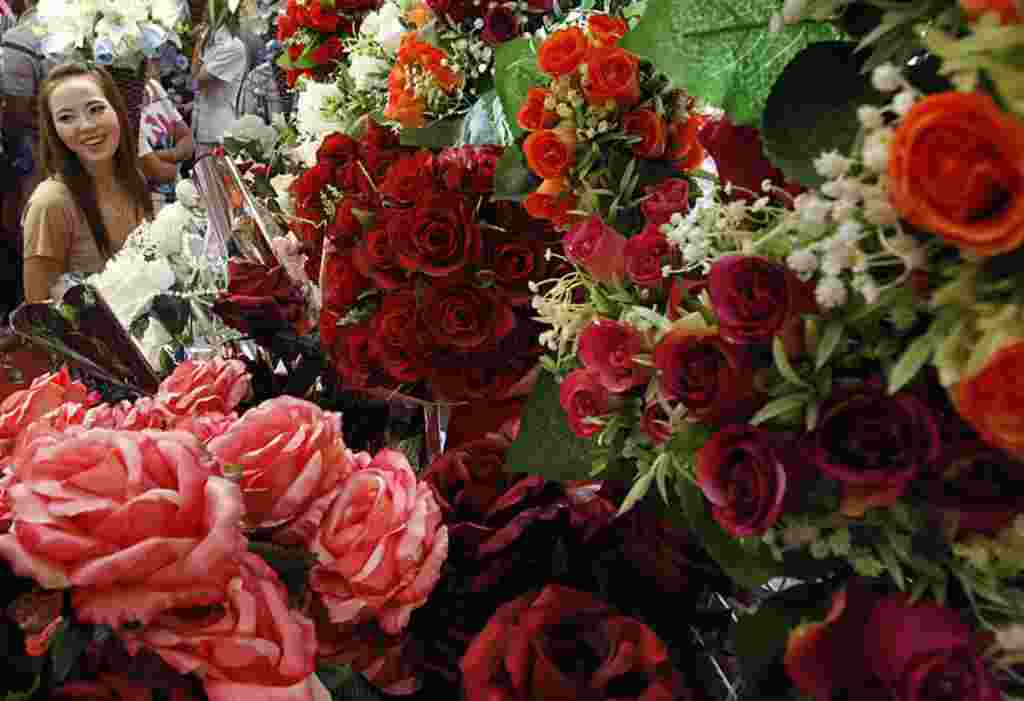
(187, 194)
(1011, 637)
(167, 228)
(879, 212)
(886, 78)
(844, 209)
(811, 208)
(904, 102)
(312, 114)
(842, 188)
(869, 290)
(385, 26)
(154, 340)
(870, 117)
(368, 71)
(830, 293)
(876, 150)
(803, 262)
(252, 128)
(793, 11)
(832, 165)
(849, 230)
(281, 183)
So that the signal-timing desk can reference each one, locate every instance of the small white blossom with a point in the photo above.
(876, 150)
(832, 164)
(849, 230)
(844, 209)
(870, 117)
(886, 78)
(830, 293)
(803, 262)
(811, 208)
(904, 102)
(869, 290)
(838, 259)
(694, 253)
(1011, 637)
(879, 212)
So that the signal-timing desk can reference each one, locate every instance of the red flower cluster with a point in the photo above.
(312, 33)
(423, 278)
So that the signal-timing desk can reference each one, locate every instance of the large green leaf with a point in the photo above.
(545, 446)
(723, 50)
(436, 135)
(515, 72)
(512, 179)
(485, 123)
(801, 123)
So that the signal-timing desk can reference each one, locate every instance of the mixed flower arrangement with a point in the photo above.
(313, 34)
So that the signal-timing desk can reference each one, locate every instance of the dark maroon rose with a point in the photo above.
(646, 255)
(583, 397)
(410, 177)
(500, 25)
(399, 340)
(754, 297)
(597, 248)
(743, 472)
(345, 229)
(739, 158)
(375, 258)
(261, 300)
(456, 10)
(477, 377)
(305, 189)
(463, 316)
(974, 484)
(438, 237)
(338, 148)
(468, 479)
(533, 646)
(609, 348)
(340, 280)
(665, 199)
(352, 352)
(655, 423)
(711, 377)
(469, 169)
(873, 443)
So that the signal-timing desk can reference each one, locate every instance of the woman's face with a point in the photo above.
(86, 122)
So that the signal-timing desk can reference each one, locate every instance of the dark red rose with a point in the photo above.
(466, 317)
(646, 255)
(711, 377)
(345, 230)
(500, 24)
(382, 659)
(471, 378)
(583, 397)
(305, 189)
(320, 18)
(353, 353)
(469, 478)
(873, 443)
(597, 248)
(351, 177)
(743, 472)
(609, 348)
(330, 50)
(533, 646)
(437, 238)
(973, 483)
(338, 148)
(469, 169)
(340, 280)
(261, 300)
(375, 258)
(295, 51)
(515, 261)
(399, 339)
(739, 158)
(410, 177)
(665, 199)
(655, 423)
(754, 297)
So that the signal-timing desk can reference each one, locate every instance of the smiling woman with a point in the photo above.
(94, 194)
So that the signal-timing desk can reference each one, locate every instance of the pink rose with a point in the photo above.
(143, 413)
(290, 453)
(645, 256)
(199, 386)
(597, 248)
(135, 520)
(583, 397)
(381, 545)
(46, 393)
(609, 348)
(247, 646)
(206, 427)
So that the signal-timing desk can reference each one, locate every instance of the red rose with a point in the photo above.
(739, 158)
(260, 300)
(409, 177)
(469, 478)
(755, 297)
(375, 259)
(366, 649)
(533, 115)
(469, 169)
(645, 256)
(991, 403)
(328, 51)
(345, 230)
(500, 24)
(515, 262)
(972, 484)
(352, 351)
(550, 153)
(711, 377)
(562, 52)
(655, 423)
(295, 51)
(340, 281)
(651, 128)
(612, 74)
(742, 471)
(532, 647)
(552, 201)
(438, 237)
(597, 248)
(684, 147)
(338, 148)
(466, 317)
(583, 397)
(606, 30)
(399, 339)
(665, 199)
(608, 348)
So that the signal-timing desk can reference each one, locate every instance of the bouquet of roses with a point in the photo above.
(312, 35)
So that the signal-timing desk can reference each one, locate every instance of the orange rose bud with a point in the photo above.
(955, 170)
(606, 30)
(550, 152)
(683, 145)
(419, 15)
(612, 74)
(551, 201)
(563, 51)
(650, 127)
(1008, 10)
(992, 399)
(533, 115)
(403, 105)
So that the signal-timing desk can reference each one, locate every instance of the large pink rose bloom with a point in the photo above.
(290, 453)
(247, 646)
(135, 520)
(143, 413)
(45, 394)
(201, 386)
(381, 545)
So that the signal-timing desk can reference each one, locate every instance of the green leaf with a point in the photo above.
(910, 363)
(638, 491)
(437, 135)
(783, 366)
(515, 72)
(545, 446)
(801, 123)
(24, 695)
(67, 645)
(749, 564)
(480, 125)
(512, 179)
(892, 565)
(830, 340)
(779, 407)
(760, 638)
(722, 50)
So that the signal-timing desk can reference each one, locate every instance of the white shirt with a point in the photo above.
(226, 61)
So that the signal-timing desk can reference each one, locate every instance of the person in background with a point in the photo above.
(164, 139)
(261, 92)
(219, 63)
(94, 194)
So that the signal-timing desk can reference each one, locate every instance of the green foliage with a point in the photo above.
(24, 695)
(800, 123)
(512, 179)
(437, 135)
(515, 71)
(722, 50)
(485, 123)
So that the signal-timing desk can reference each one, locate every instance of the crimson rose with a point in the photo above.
(436, 238)
(973, 482)
(597, 248)
(260, 300)
(754, 297)
(399, 340)
(582, 397)
(739, 158)
(375, 258)
(665, 199)
(463, 316)
(608, 348)
(645, 255)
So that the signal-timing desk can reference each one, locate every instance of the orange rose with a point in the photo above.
(683, 145)
(1008, 10)
(533, 115)
(550, 152)
(606, 30)
(612, 74)
(955, 169)
(992, 400)
(419, 15)
(563, 51)
(650, 127)
(551, 201)
(403, 104)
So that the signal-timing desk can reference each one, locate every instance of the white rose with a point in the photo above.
(311, 117)
(385, 26)
(281, 183)
(368, 71)
(187, 194)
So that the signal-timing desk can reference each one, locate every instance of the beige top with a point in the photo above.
(55, 227)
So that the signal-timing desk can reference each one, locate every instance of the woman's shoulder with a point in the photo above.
(52, 192)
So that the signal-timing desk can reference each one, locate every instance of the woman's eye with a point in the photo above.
(64, 118)
(96, 109)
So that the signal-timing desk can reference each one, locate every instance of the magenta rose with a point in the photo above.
(46, 393)
(646, 255)
(711, 377)
(665, 199)
(380, 546)
(438, 237)
(597, 248)
(609, 348)
(199, 386)
(583, 397)
(743, 472)
(754, 297)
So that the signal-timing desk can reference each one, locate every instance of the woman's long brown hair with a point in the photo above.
(58, 159)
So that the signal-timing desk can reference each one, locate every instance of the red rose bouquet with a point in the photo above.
(313, 33)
